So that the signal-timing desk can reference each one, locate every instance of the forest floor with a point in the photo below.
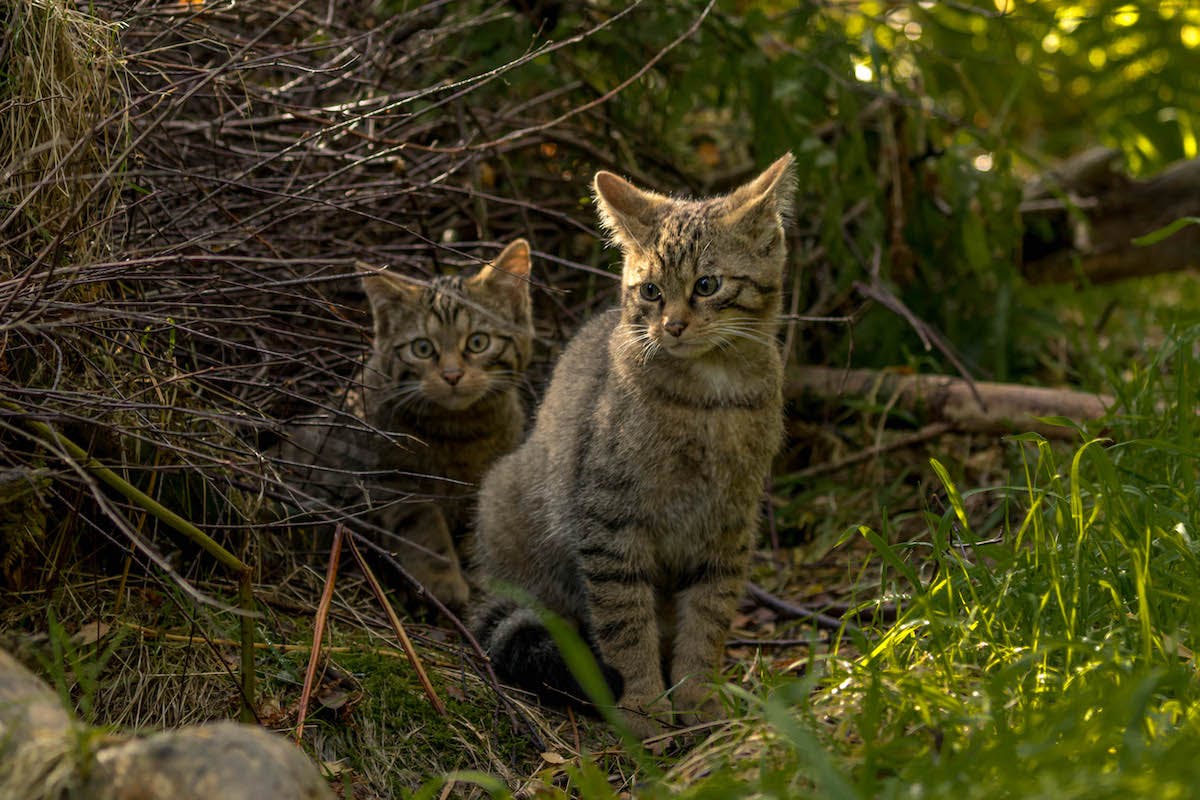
(134, 655)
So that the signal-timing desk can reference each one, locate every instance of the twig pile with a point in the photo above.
(224, 181)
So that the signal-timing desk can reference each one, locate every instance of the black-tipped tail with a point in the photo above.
(525, 655)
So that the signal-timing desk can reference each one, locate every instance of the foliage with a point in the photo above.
(915, 125)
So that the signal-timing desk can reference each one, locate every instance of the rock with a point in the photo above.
(38, 738)
(46, 755)
(223, 759)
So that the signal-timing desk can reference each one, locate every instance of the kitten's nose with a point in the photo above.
(452, 376)
(675, 326)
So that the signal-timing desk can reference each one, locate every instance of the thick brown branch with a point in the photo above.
(1081, 221)
(1005, 408)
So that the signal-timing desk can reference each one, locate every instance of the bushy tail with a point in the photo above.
(525, 655)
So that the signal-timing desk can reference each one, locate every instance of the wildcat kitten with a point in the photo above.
(440, 390)
(444, 370)
(632, 508)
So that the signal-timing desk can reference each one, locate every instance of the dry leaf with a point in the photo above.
(91, 632)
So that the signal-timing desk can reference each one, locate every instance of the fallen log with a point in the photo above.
(990, 408)
(1081, 219)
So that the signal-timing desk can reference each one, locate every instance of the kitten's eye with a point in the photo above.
(707, 285)
(421, 348)
(650, 292)
(478, 342)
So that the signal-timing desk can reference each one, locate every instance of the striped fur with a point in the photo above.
(632, 508)
(442, 380)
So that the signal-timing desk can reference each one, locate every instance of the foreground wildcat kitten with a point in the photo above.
(632, 508)
(441, 383)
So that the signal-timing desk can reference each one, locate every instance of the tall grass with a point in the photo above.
(1057, 661)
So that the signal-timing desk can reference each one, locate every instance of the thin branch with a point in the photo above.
(314, 656)
(398, 628)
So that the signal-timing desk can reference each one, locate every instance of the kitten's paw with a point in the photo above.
(647, 718)
(696, 702)
(451, 589)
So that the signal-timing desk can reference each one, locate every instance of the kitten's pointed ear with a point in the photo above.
(627, 213)
(383, 288)
(509, 272)
(758, 209)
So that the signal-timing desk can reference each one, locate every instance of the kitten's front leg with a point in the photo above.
(427, 552)
(626, 632)
(705, 611)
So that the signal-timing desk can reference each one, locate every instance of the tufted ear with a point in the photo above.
(627, 213)
(757, 210)
(508, 274)
(385, 290)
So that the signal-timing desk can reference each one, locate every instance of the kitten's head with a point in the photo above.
(700, 274)
(453, 340)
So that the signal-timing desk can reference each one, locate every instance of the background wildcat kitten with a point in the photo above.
(633, 506)
(441, 389)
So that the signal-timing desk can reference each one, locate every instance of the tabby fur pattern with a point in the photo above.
(632, 508)
(440, 400)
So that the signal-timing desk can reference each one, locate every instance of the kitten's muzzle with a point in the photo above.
(452, 376)
(675, 327)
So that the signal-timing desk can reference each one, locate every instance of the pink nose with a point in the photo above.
(675, 327)
(452, 376)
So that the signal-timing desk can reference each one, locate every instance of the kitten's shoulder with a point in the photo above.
(595, 333)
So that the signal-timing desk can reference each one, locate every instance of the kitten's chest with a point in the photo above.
(450, 456)
(448, 461)
(694, 473)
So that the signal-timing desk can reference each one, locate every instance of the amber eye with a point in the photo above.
(708, 284)
(650, 292)
(478, 342)
(421, 348)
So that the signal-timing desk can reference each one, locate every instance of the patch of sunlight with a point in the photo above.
(1004, 6)
(983, 162)
(1167, 9)
(1069, 18)
(1097, 57)
(912, 30)
(863, 72)
(1188, 133)
(1135, 69)
(1190, 36)
(1126, 16)
(1051, 42)
(1187, 139)
(1126, 46)
(1146, 147)
(1080, 85)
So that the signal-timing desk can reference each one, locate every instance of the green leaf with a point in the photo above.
(1162, 233)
